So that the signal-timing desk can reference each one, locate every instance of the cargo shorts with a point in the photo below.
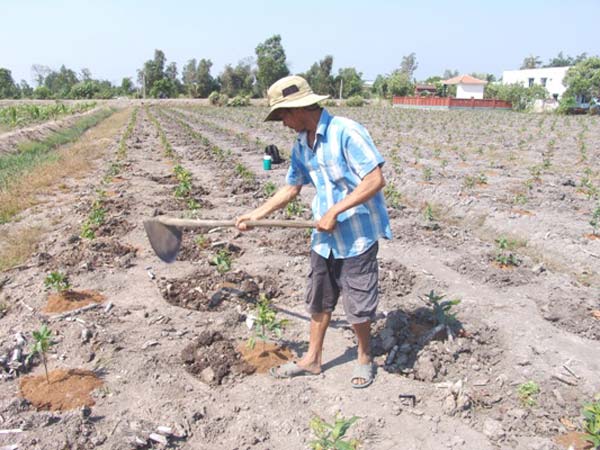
(354, 278)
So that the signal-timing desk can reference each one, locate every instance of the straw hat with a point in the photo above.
(290, 92)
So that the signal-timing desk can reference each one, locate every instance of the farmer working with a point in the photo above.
(337, 156)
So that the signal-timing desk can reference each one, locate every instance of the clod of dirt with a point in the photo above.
(486, 271)
(395, 279)
(206, 290)
(212, 357)
(265, 356)
(68, 389)
(89, 255)
(69, 300)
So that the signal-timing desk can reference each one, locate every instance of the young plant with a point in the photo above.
(502, 257)
(591, 423)
(265, 322)
(269, 188)
(528, 392)
(222, 260)
(294, 208)
(41, 345)
(595, 221)
(331, 436)
(441, 309)
(57, 281)
(392, 195)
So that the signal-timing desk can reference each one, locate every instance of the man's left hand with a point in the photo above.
(327, 222)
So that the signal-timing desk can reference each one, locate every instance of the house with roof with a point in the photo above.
(467, 86)
(549, 77)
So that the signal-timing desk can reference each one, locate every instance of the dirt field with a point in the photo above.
(164, 339)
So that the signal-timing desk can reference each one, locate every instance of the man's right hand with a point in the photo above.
(240, 222)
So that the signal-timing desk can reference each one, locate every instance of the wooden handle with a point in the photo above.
(207, 223)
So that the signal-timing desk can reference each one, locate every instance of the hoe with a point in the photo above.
(165, 233)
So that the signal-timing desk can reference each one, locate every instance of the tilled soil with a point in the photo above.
(166, 341)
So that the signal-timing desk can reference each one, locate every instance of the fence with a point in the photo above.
(450, 103)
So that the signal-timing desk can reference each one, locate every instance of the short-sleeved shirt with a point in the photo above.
(342, 155)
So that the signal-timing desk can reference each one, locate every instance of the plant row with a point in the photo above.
(24, 114)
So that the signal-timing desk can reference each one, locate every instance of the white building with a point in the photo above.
(550, 77)
(467, 86)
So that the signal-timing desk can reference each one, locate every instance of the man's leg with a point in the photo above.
(363, 336)
(312, 360)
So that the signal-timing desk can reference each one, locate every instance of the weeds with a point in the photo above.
(331, 436)
(528, 393)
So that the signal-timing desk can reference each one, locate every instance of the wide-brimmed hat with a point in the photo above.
(290, 92)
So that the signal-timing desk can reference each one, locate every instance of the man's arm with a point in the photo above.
(372, 183)
(281, 198)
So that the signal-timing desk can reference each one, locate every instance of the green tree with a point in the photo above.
(26, 90)
(520, 96)
(40, 72)
(60, 82)
(380, 86)
(41, 93)
(127, 87)
(351, 82)
(152, 71)
(562, 61)
(237, 80)
(163, 88)
(531, 62)
(448, 73)
(583, 80)
(319, 77)
(271, 63)
(206, 82)
(399, 83)
(8, 88)
(489, 77)
(409, 65)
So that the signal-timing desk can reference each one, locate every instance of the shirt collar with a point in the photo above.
(323, 123)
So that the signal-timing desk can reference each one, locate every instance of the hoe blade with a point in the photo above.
(164, 239)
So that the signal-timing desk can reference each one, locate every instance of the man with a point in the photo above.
(337, 156)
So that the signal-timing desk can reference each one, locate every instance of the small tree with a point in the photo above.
(266, 322)
(57, 281)
(42, 345)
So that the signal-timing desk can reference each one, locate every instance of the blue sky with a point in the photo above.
(114, 38)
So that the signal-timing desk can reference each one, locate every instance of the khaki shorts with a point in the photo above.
(355, 278)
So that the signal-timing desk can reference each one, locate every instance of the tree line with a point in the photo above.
(251, 77)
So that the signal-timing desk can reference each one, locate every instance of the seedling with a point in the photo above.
(244, 172)
(294, 208)
(428, 213)
(392, 195)
(502, 257)
(222, 260)
(41, 345)
(57, 281)
(331, 436)
(269, 188)
(528, 392)
(591, 423)
(201, 241)
(265, 322)
(441, 309)
(595, 221)
(427, 174)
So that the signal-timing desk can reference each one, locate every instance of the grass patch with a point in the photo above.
(17, 247)
(32, 153)
(70, 160)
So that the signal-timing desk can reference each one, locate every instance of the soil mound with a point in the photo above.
(69, 300)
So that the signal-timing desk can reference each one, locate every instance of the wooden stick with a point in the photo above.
(206, 223)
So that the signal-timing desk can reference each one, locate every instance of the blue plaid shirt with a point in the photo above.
(343, 155)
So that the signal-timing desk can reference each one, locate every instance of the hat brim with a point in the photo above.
(310, 99)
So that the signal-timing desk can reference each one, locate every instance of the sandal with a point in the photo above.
(289, 370)
(364, 372)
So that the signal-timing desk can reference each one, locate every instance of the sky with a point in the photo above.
(114, 38)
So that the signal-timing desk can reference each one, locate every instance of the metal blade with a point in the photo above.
(164, 239)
